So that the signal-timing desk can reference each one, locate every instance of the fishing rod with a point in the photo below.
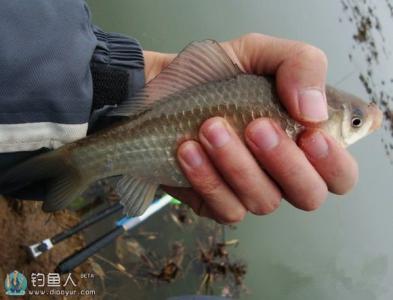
(122, 226)
(37, 249)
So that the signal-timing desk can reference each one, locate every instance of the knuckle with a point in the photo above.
(340, 189)
(312, 53)
(311, 205)
(309, 192)
(266, 207)
(339, 172)
(241, 172)
(253, 36)
(233, 217)
(314, 197)
(291, 169)
(343, 179)
(209, 185)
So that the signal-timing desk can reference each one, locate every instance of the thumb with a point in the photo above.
(300, 71)
(301, 84)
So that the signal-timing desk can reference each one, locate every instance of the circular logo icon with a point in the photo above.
(15, 284)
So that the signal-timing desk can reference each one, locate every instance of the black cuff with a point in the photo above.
(117, 68)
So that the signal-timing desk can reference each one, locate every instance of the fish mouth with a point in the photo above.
(377, 117)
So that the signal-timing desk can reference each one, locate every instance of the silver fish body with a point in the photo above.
(202, 82)
(146, 147)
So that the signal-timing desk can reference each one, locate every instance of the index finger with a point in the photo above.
(300, 71)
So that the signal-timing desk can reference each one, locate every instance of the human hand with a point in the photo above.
(229, 178)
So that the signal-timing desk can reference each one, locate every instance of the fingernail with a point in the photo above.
(264, 135)
(217, 135)
(312, 105)
(190, 154)
(316, 146)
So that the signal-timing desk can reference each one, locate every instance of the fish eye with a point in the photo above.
(356, 122)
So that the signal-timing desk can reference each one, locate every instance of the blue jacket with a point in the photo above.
(56, 68)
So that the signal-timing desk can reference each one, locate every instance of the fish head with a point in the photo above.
(350, 118)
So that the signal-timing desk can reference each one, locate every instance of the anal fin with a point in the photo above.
(136, 194)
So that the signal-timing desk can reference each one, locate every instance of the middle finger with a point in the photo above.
(286, 163)
(238, 167)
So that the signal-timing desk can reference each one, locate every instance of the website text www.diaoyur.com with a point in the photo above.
(58, 292)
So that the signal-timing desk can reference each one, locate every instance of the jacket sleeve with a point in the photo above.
(55, 69)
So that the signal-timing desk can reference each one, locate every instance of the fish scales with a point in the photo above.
(150, 142)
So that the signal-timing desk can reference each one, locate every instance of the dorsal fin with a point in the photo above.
(198, 63)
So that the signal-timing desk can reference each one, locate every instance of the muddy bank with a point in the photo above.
(23, 223)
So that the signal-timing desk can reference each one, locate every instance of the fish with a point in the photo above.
(200, 83)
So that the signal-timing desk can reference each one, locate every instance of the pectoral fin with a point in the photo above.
(136, 194)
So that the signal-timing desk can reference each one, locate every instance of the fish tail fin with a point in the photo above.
(63, 181)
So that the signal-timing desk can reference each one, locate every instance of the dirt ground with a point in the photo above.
(23, 223)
